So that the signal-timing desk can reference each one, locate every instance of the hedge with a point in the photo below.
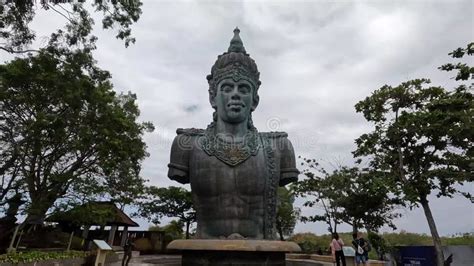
(32, 256)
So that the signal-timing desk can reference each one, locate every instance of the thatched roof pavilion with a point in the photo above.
(97, 213)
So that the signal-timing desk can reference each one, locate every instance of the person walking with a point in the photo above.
(337, 251)
(127, 251)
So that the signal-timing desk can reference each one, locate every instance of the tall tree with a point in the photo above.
(171, 201)
(16, 16)
(11, 186)
(364, 197)
(316, 195)
(422, 138)
(358, 197)
(287, 214)
(48, 171)
(71, 128)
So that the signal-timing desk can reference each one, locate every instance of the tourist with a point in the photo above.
(337, 251)
(127, 251)
(360, 245)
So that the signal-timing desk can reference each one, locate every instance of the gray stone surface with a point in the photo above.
(151, 260)
(234, 245)
(233, 252)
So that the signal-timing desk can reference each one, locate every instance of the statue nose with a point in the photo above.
(235, 93)
(235, 96)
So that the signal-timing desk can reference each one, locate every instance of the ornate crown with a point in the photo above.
(235, 64)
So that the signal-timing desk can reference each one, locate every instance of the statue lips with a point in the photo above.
(236, 106)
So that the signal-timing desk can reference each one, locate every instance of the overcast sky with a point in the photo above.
(317, 60)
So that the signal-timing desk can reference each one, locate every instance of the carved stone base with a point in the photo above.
(233, 252)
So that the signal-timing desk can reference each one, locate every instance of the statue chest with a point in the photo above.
(210, 177)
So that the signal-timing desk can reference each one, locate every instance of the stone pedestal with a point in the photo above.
(233, 252)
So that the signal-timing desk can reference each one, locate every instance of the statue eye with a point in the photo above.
(226, 88)
(244, 89)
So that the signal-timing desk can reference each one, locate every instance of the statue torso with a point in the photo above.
(231, 197)
(228, 199)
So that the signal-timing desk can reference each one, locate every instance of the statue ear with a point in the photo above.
(212, 100)
(256, 99)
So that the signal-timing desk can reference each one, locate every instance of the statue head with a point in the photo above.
(234, 83)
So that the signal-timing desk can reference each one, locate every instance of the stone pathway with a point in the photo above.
(152, 260)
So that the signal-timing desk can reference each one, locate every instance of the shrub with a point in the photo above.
(33, 256)
(310, 243)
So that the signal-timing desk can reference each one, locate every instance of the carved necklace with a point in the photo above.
(230, 152)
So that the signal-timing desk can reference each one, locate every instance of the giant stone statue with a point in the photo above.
(233, 169)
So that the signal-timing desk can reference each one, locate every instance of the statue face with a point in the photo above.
(234, 100)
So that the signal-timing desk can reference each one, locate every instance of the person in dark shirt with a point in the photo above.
(360, 245)
(127, 251)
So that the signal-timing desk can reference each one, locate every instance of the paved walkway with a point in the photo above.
(152, 260)
(175, 260)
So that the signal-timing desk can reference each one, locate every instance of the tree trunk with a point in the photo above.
(37, 211)
(187, 229)
(280, 231)
(354, 226)
(434, 231)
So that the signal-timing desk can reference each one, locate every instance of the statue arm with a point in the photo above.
(179, 159)
(288, 171)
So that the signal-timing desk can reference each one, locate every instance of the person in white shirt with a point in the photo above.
(336, 250)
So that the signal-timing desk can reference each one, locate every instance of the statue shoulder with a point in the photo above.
(186, 139)
(274, 134)
(279, 139)
(284, 152)
(190, 131)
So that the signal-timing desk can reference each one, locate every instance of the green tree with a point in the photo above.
(422, 138)
(174, 229)
(168, 202)
(15, 17)
(358, 197)
(71, 130)
(311, 243)
(287, 214)
(363, 195)
(379, 245)
(464, 71)
(67, 55)
(11, 185)
(316, 195)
